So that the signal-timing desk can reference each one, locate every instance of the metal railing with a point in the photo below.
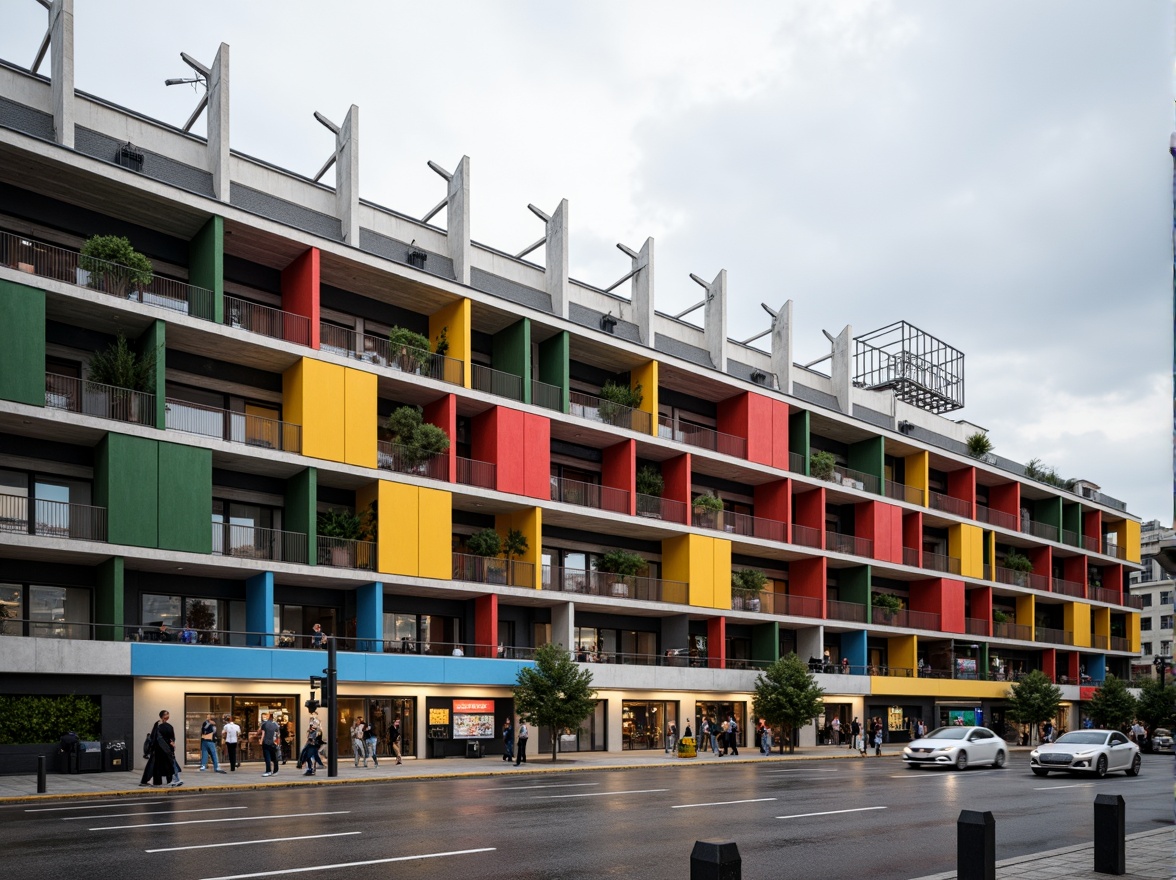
(975, 626)
(1021, 579)
(806, 536)
(1132, 601)
(1071, 537)
(654, 507)
(853, 612)
(1043, 530)
(492, 570)
(546, 396)
(597, 409)
(1103, 594)
(589, 495)
(1119, 643)
(266, 321)
(52, 519)
(923, 620)
(796, 462)
(794, 606)
(599, 583)
(948, 504)
(254, 542)
(345, 553)
(940, 562)
(739, 524)
(997, 518)
(853, 479)
(1100, 643)
(902, 492)
(886, 617)
(911, 556)
(337, 340)
(103, 401)
(1018, 631)
(496, 382)
(62, 264)
(1053, 636)
(378, 350)
(850, 544)
(393, 457)
(236, 427)
(471, 472)
(701, 437)
(1090, 542)
(1069, 588)
(1109, 548)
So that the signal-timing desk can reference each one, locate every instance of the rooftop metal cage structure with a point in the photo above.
(917, 367)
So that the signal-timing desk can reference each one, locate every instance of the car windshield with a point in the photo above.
(1083, 738)
(948, 733)
(1161, 731)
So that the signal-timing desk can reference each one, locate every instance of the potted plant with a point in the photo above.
(409, 349)
(1020, 565)
(418, 441)
(747, 584)
(617, 403)
(822, 465)
(650, 485)
(999, 616)
(114, 266)
(623, 565)
(442, 347)
(888, 603)
(487, 544)
(121, 368)
(979, 446)
(341, 524)
(514, 544)
(707, 508)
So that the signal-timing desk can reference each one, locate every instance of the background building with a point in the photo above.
(1153, 586)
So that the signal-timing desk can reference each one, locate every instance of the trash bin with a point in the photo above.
(90, 757)
(473, 748)
(115, 755)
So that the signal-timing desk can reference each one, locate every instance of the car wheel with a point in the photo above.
(1039, 771)
(1136, 763)
(1100, 767)
(999, 761)
(962, 761)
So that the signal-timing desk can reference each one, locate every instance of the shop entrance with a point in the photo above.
(249, 711)
(720, 712)
(379, 712)
(643, 724)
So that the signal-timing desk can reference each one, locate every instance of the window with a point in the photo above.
(1165, 597)
(1145, 624)
(1147, 600)
(59, 612)
(205, 616)
(11, 609)
(1145, 649)
(1166, 648)
(1166, 621)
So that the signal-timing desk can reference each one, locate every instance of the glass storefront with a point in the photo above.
(719, 712)
(248, 710)
(643, 723)
(379, 712)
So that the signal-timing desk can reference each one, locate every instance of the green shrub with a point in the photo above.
(619, 562)
(121, 366)
(822, 464)
(114, 265)
(484, 543)
(650, 481)
(707, 503)
(45, 719)
(749, 581)
(979, 445)
(340, 523)
(418, 440)
(409, 349)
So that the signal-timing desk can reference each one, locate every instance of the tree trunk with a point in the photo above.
(554, 749)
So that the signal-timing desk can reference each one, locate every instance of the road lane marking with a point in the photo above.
(526, 787)
(551, 797)
(251, 842)
(804, 770)
(1056, 787)
(94, 807)
(151, 813)
(227, 819)
(307, 869)
(926, 776)
(830, 813)
(720, 803)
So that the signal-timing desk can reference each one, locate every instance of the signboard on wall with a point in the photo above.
(473, 719)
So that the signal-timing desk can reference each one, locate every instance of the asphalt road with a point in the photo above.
(865, 818)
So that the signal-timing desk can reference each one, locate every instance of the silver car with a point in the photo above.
(1087, 751)
(1161, 740)
(957, 747)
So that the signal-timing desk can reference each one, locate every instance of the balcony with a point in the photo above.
(1112, 597)
(62, 264)
(599, 583)
(911, 556)
(1090, 542)
(1119, 643)
(996, 518)
(1100, 643)
(492, 570)
(1016, 631)
(241, 314)
(1022, 579)
(852, 612)
(940, 562)
(923, 620)
(853, 479)
(1132, 601)
(739, 524)
(393, 457)
(1043, 530)
(975, 626)
(1110, 548)
(102, 401)
(793, 606)
(377, 350)
(345, 553)
(1069, 588)
(546, 396)
(1071, 538)
(796, 462)
(52, 519)
(954, 506)
(886, 617)
(849, 544)
(1053, 636)
(654, 507)
(252, 542)
(701, 437)
(804, 536)
(496, 382)
(589, 495)
(596, 409)
(902, 492)
(471, 472)
(235, 427)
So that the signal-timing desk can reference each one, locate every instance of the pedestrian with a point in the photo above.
(733, 735)
(318, 638)
(723, 728)
(828, 661)
(357, 746)
(714, 736)
(164, 742)
(507, 740)
(164, 635)
(232, 734)
(269, 744)
(524, 734)
(845, 666)
(394, 740)
(284, 738)
(370, 741)
(309, 754)
(766, 737)
(835, 726)
(877, 737)
(1048, 731)
(671, 736)
(208, 743)
(1138, 733)
(855, 734)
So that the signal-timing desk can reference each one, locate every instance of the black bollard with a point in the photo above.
(975, 846)
(41, 774)
(1110, 834)
(715, 860)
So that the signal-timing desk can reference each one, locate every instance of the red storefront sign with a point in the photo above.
(1086, 693)
(466, 707)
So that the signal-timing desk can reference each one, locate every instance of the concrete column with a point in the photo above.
(715, 321)
(842, 369)
(675, 632)
(61, 19)
(347, 176)
(810, 642)
(369, 617)
(218, 123)
(457, 221)
(259, 610)
(782, 348)
(557, 260)
(563, 625)
(643, 292)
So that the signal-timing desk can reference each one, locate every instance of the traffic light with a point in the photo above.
(312, 705)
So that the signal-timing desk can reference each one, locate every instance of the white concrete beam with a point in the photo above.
(715, 321)
(643, 292)
(347, 176)
(563, 625)
(842, 369)
(557, 260)
(782, 348)
(218, 123)
(457, 221)
(61, 21)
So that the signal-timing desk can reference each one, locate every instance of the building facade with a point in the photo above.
(175, 545)
(1153, 587)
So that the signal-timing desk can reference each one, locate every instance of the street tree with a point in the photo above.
(1112, 705)
(787, 695)
(554, 693)
(1033, 700)
(1156, 705)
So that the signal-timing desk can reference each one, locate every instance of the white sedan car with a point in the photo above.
(1087, 751)
(957, 747)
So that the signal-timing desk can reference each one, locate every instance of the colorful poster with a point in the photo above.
(473, 726)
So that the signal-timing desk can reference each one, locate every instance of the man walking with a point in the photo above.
(208, 745)
(835, 725)
(733, 735)
(164, 743)
(855, 734)
(269, 745)
(232, 733)
(671, 736)
(394, 740)
(524, 733)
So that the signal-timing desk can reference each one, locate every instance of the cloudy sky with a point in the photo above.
(996, 172)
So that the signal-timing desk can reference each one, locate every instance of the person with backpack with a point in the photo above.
(524, 734)
(733, 735)
(394, 740)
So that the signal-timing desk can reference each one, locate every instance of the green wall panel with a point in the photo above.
(798, 437)
(22, 351)
(853, 585)
(154, 340)
(511, 353)
(185, 498)
(555, 356)
(108, 600)
(869, 457)
(206, 268)
(300, 514)
(765, 642)
(1072, 522)
(1048, 511)
(126, 483)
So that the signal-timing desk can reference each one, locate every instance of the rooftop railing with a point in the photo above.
(589, 495)
(996, 518)
(496, 382)
(849, 544)
(739, 524)
(597, 409)
(394, 457)
(241, 314)
(52, 519)
(95, 399)
(471, 472)
(654, 507)
(254, 542)
(701, 437)
(955, 506)
(492, 570)
(546, 396)
(599, 583)
(345, 553)
(236, 427)
(902, 492)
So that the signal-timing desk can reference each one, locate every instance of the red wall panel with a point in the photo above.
(1092, 525)
(750, 416)
(619, 470)
(443, 413)
(780, 413)
(1006, 498)
(806, 577)
(300, 291)
(716, 642)
(962, 484)
(1049, 663)
(882, 524)
(980, 606)
(676, 475)
(809, 512)
(486, 625)
(537, 459)
(1074, 569)
(774, 501)
(498, 437)
(912, 535)
(942, 596)
(1071, 670)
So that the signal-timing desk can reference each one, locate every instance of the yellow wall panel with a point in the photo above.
(918, 472)
(1130, 539)
(966, 543)
(646, 376)
(360, 425)
(894, 686)
(1133, 633)
(1102, 624)
(902, 652)
(721, 576)
(435, 534)
(698, 560)
(399, 528)
(1077, 620)
(530, 523)
(1026, 609)
(455, 320)
(313, 396)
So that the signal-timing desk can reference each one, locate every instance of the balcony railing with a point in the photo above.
(596, 409)
(253, 542)
(492, 570)
(378, 350)
(1119, 643)
(701, 437)
(911, 556)
(1043, 530)
(849, 544)
(796, 462)
(923, 620)
(1090, 542)
(393, 457)
(885, 617)
(805, 536)
(1069, 588)
(345, 553)
(236, 427)
(599, 583)
(955, 506)
(589, 495)
(1132, 601)
(1109, 548)
(471, 472)
(496, 382)
(996, 518)
(975, 626)
(739, 524)
(1071, 537)
(853, 479)
(902, 492)
(1017, 631)
(52, 519)
(1102, 594)
(546, 396)
(853, 612)
(1053, 636)
(940, 562)
(267, 321)
(793, 606)
(95, 399)
(654, 507)
(62, 264)
(1100, 643)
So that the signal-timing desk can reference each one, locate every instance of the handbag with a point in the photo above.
(149, 742)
